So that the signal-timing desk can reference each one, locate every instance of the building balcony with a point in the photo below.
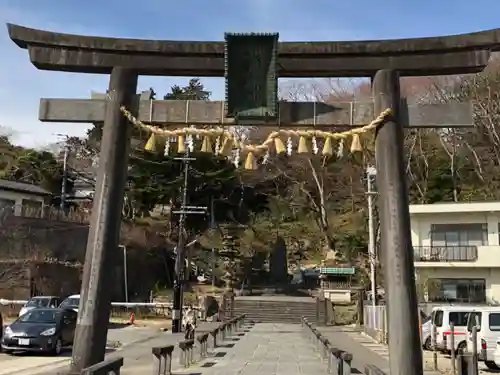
(445, 253)
(456, 256)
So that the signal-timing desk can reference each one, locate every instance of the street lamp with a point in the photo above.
(371, 174)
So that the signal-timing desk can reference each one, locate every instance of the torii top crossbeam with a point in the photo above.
(465, 53)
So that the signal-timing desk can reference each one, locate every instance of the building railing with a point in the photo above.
(445, 253)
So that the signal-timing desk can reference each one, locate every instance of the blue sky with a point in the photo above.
(21, 85)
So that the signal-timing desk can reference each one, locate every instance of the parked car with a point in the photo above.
(40, 301)
(72, 302)
(487, 321)
(496, 355)
(47, 330)
(443, 317)
(426, 325)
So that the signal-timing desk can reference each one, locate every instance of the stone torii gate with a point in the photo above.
(125, 59)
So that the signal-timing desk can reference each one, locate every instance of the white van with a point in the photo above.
(487, 321)
(442, 317)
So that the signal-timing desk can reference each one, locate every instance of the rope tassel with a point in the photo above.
(250, 162)
(328, 147)
(302, 149)
(356, 144)
(151, 143)
(279, 146)
(181, 144)
(206, 146)
(227, 147)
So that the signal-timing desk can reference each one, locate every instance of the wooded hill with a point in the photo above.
(313, 203)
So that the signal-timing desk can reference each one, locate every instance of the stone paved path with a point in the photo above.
(266, 349)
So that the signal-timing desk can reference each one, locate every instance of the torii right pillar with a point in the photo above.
(405, 354)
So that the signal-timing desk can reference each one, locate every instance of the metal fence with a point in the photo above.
(375, 322)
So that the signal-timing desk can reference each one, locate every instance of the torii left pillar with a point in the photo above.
(104, 234)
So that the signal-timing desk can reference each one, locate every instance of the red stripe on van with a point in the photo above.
(456, 333)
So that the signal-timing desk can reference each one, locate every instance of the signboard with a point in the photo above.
(251, 77)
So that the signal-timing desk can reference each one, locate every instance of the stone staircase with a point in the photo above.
(277, 309)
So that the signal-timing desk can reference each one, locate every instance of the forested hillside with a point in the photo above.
(312, 202)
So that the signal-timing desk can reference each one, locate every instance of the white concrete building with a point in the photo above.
(17, 196)
(457, 251)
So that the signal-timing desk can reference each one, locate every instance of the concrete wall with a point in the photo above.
(22, 237)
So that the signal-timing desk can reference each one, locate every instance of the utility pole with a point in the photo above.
(64, 181)
(64, 177)
(181, 246)
(371, 173)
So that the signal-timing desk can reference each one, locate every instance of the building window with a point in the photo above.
(7, 205)
(457, 290)
(456, 235)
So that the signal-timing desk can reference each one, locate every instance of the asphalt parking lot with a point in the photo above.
(33, 364)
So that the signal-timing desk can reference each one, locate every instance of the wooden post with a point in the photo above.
(104, 233)
(396, 247)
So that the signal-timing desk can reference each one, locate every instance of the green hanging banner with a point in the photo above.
(251, 77)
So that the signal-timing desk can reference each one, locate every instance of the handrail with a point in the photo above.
(373, 370)
(339, 361)
(106, 367)
(220, 333)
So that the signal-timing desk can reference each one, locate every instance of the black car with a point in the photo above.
(41, 330)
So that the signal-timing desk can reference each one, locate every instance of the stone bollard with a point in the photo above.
(334, 361)
(162, 359)
(186, 358)
(202, 342)
(214, 334)
(346, 363)
(325, 345)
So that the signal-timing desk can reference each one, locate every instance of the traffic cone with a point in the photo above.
(132, 318)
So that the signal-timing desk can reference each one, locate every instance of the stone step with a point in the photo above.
(275, 307)
(275, 311)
